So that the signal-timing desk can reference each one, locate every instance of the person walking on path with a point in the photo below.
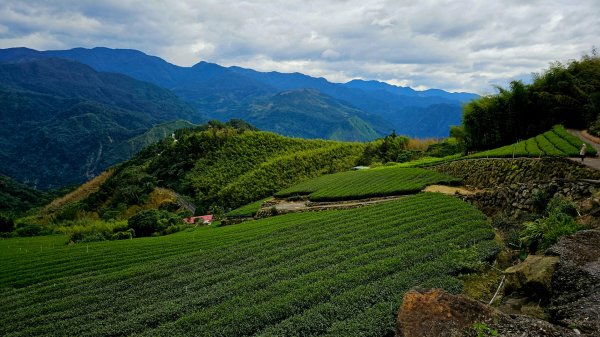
(583, 151)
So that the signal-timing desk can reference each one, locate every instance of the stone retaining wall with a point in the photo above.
(484, 173)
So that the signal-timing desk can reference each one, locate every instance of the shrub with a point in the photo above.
(93, 237)
(560, 204)
(151, 221)
(544, 232)
(540, 199)
(32, 230)
(87, 230)
(123, 235)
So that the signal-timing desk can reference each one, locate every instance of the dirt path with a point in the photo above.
(284, 206)
(450, 190)
(593, 162)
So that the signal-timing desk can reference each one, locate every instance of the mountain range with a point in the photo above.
(77, 110)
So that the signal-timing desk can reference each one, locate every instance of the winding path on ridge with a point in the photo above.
(593, 162)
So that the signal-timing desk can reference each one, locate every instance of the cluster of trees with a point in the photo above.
(567, 94)
(391, 148)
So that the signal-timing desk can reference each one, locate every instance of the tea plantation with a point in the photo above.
(555, 143)
(336, 273)
(377, 182)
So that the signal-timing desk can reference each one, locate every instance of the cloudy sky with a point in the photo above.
(453, 45)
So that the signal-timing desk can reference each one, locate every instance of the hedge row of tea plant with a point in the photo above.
(378, 182)
(556, 142)
(337, 273)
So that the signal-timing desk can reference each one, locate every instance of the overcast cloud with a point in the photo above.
(452, 45)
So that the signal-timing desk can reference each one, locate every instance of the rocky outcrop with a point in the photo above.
(565, 283)
(576, 282)
(426, 313)
(484, 173)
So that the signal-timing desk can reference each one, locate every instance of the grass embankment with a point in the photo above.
(337, 273)
(379, 182)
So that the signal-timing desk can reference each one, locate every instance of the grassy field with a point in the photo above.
(336, 273)
(369, 183)
(555, 143)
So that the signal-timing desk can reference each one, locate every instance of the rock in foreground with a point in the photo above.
(428, 313)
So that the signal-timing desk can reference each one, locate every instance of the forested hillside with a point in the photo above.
(16, 199)
(63, 122)
(215, 167)
(567, 94)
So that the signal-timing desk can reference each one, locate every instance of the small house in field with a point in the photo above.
(205, 219)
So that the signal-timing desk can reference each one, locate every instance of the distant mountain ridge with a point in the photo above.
(219, 92)
(81, 110)
(63, 122)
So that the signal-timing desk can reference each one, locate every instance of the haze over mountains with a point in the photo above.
(78, 110)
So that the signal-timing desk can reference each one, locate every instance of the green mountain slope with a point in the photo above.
(309, 114)
(62, 122)
(216, 167)
(16, 199)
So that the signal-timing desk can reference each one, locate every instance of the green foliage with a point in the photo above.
(540, 199)
(483, 330)
(307, 274)
(446, 148)
(544, 232)
(391, 148)
(86, 230)
(563, 94)
(359, 184)
(559, 204)
(149, 222)
(30, 229)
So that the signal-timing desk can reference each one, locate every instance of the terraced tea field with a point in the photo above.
(555, 143)
(335, 273)
(378, 182)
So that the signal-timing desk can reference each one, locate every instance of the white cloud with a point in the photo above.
(454, 45)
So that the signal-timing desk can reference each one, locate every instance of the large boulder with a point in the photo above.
(426, 313)
(532, 277)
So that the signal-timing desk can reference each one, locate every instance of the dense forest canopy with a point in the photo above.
(567, 94)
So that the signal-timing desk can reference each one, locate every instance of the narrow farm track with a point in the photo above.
(593, 162)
